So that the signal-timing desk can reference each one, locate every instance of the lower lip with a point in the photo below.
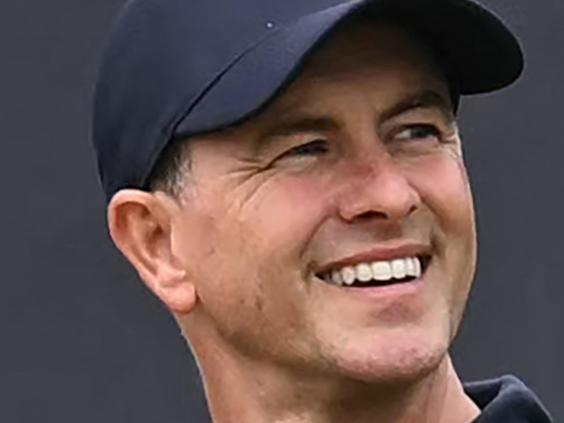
(397, 290)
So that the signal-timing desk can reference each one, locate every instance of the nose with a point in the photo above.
(379, 190)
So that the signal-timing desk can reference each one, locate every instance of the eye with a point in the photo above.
(420, 132)
(313, 148)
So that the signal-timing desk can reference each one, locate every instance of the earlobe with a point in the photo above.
(180, 298)
(140, 225)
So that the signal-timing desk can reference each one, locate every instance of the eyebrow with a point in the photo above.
(295, 125)
(299, 125)
(304, 123)
(426, 99)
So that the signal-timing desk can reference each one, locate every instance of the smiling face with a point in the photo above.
(357, 161)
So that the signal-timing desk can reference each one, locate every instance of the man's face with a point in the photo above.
(357, 161)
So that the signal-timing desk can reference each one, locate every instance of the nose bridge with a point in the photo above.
(375, 185)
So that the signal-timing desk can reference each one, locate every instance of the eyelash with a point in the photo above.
(319, 146)
(422, 131)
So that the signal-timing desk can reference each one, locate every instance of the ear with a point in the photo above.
(141, 226)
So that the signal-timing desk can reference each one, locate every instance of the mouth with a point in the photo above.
(378, 273)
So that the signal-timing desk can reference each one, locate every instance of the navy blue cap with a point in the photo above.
(177, 68)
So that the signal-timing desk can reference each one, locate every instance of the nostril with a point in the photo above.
(371, 214)
(366, 213)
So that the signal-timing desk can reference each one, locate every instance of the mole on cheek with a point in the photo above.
(259, 304)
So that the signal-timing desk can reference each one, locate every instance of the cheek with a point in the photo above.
(242, 244)
(444, 186)
(248, 261)
(442, 183)
(288, 210)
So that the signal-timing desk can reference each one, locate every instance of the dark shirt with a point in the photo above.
(506, 400)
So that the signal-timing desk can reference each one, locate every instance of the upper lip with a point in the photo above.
(382, 253)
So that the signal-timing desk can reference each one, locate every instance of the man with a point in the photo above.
(288, 179)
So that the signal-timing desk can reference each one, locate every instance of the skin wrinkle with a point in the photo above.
(275, 344)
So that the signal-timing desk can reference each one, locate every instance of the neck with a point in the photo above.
(238, 391)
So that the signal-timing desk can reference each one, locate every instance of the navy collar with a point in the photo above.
(506, 400)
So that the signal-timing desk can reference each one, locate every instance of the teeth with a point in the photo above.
(382, 270)
(398, 268)
(336, 277)
(349, 275)
(379, 270)
(363, 272)
(417, 268)
(410, 266)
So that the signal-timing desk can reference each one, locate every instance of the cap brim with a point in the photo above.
(478, 47)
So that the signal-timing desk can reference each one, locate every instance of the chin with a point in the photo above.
(391, 360)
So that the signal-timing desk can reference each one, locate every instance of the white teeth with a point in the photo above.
(382, 270)
(336, 277)
(410, 266)
(378, 270)
(417, 268)
(349, 275)
(398, 268)
(363, 272)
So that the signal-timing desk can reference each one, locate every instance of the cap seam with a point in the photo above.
(168, 133)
